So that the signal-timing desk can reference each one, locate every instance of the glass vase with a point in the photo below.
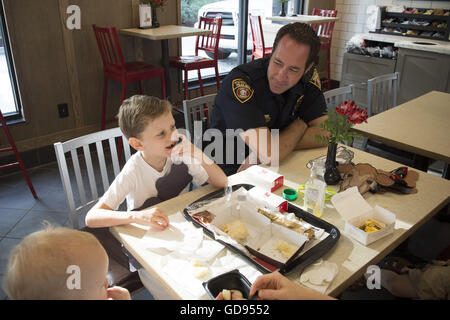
(155, 23)
(332, 175)
(283, 9)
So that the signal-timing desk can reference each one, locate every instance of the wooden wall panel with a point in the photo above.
(55, 65)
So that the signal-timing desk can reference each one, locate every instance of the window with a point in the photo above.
(227, 9)
(9, 97)
(228, 44)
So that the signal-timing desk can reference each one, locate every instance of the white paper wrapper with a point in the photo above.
(319, 275)
(180, 235)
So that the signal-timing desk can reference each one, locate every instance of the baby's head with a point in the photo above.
(57, 263)
(148, 124)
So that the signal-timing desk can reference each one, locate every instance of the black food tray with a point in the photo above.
(264, 264)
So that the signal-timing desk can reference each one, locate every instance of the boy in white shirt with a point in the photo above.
(150, 176)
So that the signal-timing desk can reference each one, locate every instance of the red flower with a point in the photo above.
(358, 116)
(346, 108)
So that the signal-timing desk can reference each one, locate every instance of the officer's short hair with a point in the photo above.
(136, 112)
(302, 33)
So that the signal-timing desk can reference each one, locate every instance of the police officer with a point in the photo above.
(281, 92)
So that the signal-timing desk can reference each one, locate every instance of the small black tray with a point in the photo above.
(232, 280)
(298, 261)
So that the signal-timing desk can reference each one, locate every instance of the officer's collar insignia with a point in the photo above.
(299, 101)
(267, 117)
(315, 79)
(241, 90)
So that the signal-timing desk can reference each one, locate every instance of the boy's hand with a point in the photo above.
(118, 293)
(186, 148)
(152, 217)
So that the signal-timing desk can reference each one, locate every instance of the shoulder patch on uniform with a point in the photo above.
(315, 79)
(241, 90)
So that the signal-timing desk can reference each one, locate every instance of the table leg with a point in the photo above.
(421, 162)
(165, 63)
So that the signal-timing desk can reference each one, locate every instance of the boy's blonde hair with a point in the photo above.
(37, 265)
(137, 111)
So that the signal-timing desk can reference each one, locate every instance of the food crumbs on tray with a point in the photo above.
(236, 230)
(198, 269)
(286, 249)
(371, 226)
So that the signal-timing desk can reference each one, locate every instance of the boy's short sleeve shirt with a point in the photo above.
(138, 182)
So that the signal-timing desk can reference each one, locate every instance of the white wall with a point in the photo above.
(352, 20)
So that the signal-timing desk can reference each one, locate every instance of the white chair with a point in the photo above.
(335, 97)
(118, 270)
(382, 93)
(77, 205)
(198, 109)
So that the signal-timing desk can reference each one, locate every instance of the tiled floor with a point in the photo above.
(21, 214)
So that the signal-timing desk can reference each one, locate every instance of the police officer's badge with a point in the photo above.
(315, 79)
(241, 90)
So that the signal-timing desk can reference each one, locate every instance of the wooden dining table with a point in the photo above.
(351, 257)
(303, 18)
(420, 126)
(164, 34)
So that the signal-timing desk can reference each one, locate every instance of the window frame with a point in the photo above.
(18, 115)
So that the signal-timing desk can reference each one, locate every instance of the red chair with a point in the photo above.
(19, 162)
(207, 43)
(325, 31)
(259, 49)
(115, 68)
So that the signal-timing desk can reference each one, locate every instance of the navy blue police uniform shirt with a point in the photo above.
(245, 101)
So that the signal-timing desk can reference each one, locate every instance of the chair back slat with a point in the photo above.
(90, 171)
(209, 42)
(63, 150)
(114, 158)
(382, 92)
(335, 97)
(324, 29)
(64, 173)
(109, 46)
(78, 176)
(102, 164)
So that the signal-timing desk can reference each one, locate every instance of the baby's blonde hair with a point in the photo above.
(37, 265)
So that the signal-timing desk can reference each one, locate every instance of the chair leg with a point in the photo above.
(217, 77)
(140, 86)
(186, 93)
(105, 93)
(328, 67)
(163, 85)
(200, 82)
(124, 91)
(17, 154)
